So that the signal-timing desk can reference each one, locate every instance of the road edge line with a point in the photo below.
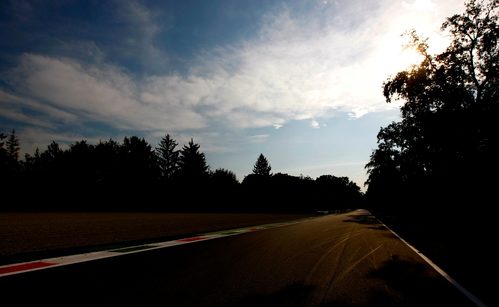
(444, 274)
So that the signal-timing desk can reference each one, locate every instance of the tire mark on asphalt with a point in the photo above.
(329, 252)
(319, 296)
(351, 267)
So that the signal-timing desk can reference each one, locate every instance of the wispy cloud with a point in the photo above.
(96, 93)
(315, 124)
(259, 138)
(142, 27)
(10, 101)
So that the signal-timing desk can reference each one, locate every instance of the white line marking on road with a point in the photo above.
(444, 274)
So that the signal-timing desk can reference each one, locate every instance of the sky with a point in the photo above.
(299, 81)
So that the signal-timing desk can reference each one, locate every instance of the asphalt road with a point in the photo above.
(334, 260)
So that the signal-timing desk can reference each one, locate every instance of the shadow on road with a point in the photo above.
(362, 218)
(296, 294)
(378, 227)
(410, 283)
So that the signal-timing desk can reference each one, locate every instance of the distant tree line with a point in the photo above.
(444, 151)
(133, 175)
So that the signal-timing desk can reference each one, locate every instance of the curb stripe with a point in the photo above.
(24, 267)
(192, 239)
(444, 274)
(133, 248)
(17, 268)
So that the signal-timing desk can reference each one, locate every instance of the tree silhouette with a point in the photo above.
(81, 166)
(5, 163)
(10, 168)
(12, 146)
(167, 157)
(223, 189)
(2, 142)
(192, 162)
(140, 161)
(262, 166)
(447, 142)
(224, 177)
(338, 190)
(107, 164)
(126, 176)
(53, 152)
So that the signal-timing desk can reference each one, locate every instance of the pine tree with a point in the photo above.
(192, 163)
(3, 151)
(168, 157)
(4, 158)
(262, 166)
(13, 146)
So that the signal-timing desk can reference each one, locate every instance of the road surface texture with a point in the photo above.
(334, 260)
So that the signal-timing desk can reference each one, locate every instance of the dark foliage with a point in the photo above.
(224, 178)
(283, 192)
(339, 190)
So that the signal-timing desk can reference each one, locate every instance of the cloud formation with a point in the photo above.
(315, 124)
(259, 138)
(297, 67)
(94, 93)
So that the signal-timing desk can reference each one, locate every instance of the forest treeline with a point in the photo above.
(132, 175)
(442, 156)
